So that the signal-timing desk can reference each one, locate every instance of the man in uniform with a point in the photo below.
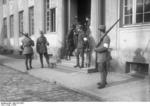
(80, 48)
(103, 57)
(70, 42)
(41, 47)
(27, 44)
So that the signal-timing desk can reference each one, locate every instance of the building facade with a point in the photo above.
(55, 17)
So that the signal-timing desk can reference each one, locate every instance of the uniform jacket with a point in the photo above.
(27, 45)
(103, 53)
(80, 44)
(41, 45)
(70, 39)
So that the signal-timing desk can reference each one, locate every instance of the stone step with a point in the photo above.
(69, 67)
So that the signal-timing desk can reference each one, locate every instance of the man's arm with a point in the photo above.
(105, 46)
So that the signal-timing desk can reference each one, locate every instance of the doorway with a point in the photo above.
(84, 10)
(80, 9)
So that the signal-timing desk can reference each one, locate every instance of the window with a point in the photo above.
(4, 1)
(20, 23)
(11, 26)
(5, 27)
(50, 17)
(31, 20)
(53, 20)
(135, 12)
(128, 11)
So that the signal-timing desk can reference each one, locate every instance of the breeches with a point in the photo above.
(46, 57)
(28, 59)
(102, 68)
(80, 53)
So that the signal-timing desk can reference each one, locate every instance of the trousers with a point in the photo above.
(41, 58)
(80, 53)
(28, 59)
(103, 69)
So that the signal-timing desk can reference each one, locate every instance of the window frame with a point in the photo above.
(52, 20)
(21, 27)
(134, 8)
(50, 25)
(31, 21)
(11, 26)
(5, 34)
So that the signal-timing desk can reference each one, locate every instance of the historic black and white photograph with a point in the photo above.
(74, 50)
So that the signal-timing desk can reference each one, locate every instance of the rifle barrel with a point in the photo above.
(108, 31)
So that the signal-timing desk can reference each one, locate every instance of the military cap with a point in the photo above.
(41, 32)
(25, 34)
(101, 27)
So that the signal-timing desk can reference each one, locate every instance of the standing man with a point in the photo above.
(80, 48)
(41, 47)
(103, 57)
(27, 44)
(70, 42)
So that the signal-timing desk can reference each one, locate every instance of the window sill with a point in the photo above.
(136, 25)
(50, 32)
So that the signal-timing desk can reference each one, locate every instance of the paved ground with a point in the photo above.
(17, 86)
(121, 86)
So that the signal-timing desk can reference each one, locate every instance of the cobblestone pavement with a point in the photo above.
(17, 86)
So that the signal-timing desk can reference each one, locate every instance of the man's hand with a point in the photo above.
(95, 50)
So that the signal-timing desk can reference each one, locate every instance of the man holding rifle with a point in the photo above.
(103, 57)
(103, 54)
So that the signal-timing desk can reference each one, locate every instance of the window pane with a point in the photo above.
(11, 26)
(139, 9)
(139, 2)
(31, 21)
(128, 10)
(20, 23)
(53, 20)
(5, 27)
(147, 17)
(128, 20)
(139, 18)
(128, 2)
(147, 6)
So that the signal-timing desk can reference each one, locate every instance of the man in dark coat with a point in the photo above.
(70, 42)
(80, 48)
(41, 47)
(103, 57)
(27, 44)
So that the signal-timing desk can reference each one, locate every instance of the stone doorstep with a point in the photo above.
(69, 65)
(70, 68)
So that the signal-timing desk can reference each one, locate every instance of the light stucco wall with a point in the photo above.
(15, 6)
(1, 21)
(125, 40)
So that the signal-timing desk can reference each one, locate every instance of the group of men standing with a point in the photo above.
(78, 40)
(41, 48)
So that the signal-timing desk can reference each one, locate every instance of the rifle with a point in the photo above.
(96, 65)
(107, 32)
(24, 34)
